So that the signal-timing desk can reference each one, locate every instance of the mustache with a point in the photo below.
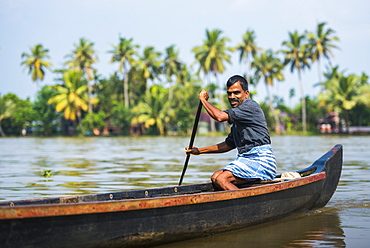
(233, 100)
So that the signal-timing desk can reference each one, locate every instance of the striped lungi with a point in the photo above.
(258, 163)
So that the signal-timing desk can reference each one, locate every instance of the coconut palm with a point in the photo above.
(246, 48)
(45, 114)
(321, 45)
(297, 54)
(268, 67)
(211, 57)
(36, 63)
(153, 109)
(124, 54)
(185, 100)
(149, 65)
(71, 98)
(172, 66)
(343, 93)
(7, 108)
(82, 58)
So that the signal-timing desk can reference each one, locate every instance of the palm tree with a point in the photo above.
(247, 47)
(36, 62)
(7, 108)
(82, 59)
(153, 109)
(185, 95)
(172, 67)
(321, 45)
(344, 93)
(297, 54)
(124, 54)
(211, 57)
(269, 68)
(71, 97)
(149, 65)
(213, 53)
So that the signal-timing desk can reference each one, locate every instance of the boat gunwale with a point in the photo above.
(114, 205)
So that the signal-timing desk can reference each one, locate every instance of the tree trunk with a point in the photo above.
(79, 122)
(212, 121)
(223, 106)
(346, 118)
(89, 95)
(278, 130)
(248, 69)
(319, 70)
(125, 88)
(303, 100)
(2, 131)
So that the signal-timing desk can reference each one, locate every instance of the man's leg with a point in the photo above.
(224, 180)
(214, 177)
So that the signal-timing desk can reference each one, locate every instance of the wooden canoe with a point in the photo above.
(154, 216)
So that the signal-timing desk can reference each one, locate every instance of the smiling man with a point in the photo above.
(249, 135)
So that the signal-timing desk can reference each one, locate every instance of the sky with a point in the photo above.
(58, 25)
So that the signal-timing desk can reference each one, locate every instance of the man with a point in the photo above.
(249, 134)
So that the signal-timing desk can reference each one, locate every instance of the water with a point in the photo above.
(101, 165)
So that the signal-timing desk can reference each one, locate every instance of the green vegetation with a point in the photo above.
(154, 92)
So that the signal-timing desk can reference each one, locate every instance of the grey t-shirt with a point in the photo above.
(249, 128)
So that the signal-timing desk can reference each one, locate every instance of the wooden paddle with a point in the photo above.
(191, 140)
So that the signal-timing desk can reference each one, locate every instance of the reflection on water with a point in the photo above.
(313, 229)
(101, 165)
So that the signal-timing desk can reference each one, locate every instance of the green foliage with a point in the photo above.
(360, 115)
(321, 42)
(268, 115)
(46, 173)
(70, 98)
(297, 53)
(155, 93)
(7, 108)
(153, 110)
(269, 68)
(121, 117)
(184, 104)
(110, 92)
(36, 62)
(125, 54)
(213, 53)
(246, 48)
(46, 119)
(314, 113)
(343, 93)
(172, 65)
(83, 57)
(20, 117)
(149, 65)
(93, 121)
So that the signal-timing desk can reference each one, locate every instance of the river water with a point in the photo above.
(46, 167)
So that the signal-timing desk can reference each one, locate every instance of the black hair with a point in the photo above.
(236, 78)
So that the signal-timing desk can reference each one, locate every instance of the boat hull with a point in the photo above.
(150, 221)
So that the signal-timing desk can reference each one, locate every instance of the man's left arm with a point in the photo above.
(219, 148)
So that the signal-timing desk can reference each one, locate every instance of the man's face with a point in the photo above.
(236, 95)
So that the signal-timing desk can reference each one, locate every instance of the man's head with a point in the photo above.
(237, 90)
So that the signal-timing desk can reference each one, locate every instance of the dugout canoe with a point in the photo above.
(154, 216)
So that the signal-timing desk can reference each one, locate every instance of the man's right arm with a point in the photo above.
(214, 112)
